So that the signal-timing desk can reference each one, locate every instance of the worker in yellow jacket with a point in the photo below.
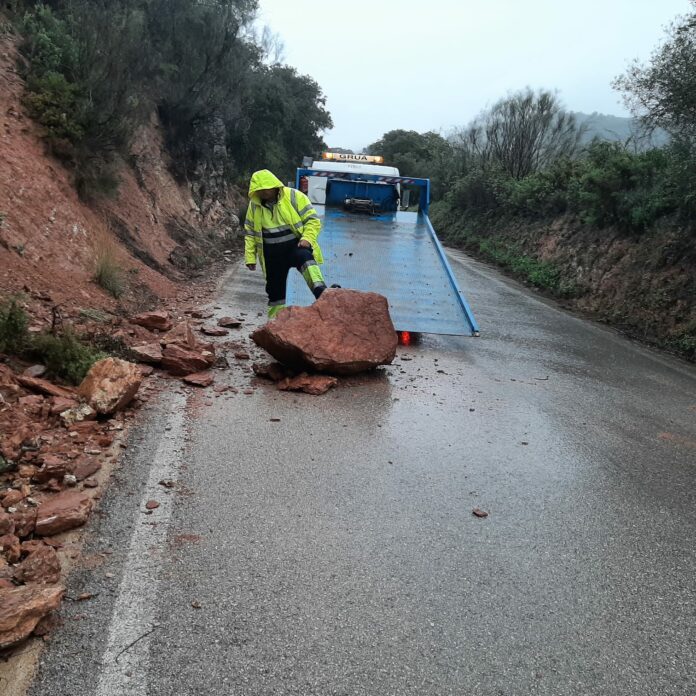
(280, 232)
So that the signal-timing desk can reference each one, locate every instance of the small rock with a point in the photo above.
(151, 505)
(159, 321)
(77, 415)
(41, 566)
(35, 371)
(70, 480)
(273, 371)
(309, 384)
(477, 512)
(242, 356)
(230, 322)
(199, 379)
(91, 483)
(212, 331)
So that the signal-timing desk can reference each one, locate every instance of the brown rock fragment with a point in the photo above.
(212, 331)
(65, 511)
(44, 387)
(199, 379)
(10, 548)
(148, 353)
(157, 321)
(309, 384)
(273, 371)
(229, 322)
(182, 361)
(41, 566)
(22, 608)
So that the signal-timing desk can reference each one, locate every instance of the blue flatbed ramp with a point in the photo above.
(399, 256)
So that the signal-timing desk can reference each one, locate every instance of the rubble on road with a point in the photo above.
(309, 384)
(199, 379)
(229, 322)
(273, 371)
(344, 332)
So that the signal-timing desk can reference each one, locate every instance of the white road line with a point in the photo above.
(134, 612)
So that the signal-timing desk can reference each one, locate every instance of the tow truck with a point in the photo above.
(376, 238)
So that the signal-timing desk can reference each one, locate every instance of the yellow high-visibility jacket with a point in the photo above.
(294, 209)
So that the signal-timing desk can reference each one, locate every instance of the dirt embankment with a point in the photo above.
(644, 285)
(154, 231)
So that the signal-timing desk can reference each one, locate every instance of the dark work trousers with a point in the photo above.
(279, 261)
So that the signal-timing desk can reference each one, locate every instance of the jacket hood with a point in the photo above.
(263, 179)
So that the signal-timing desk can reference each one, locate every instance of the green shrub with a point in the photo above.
(109, 274)
(13, 328)
(64, 355)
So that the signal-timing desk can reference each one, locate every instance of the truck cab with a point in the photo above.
(353, 193)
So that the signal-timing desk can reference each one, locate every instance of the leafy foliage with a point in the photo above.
(663, 93)
(96, 70)
(14, 336)
(64, 355)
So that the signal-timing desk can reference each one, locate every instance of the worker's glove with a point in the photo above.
(304, 244)
(251, 266)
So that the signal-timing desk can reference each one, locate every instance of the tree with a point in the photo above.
(426, 155)
(663, 92)
(522, 134)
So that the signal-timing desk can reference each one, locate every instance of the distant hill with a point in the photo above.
(618, 129)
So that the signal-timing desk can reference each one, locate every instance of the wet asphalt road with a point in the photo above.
(335, 552)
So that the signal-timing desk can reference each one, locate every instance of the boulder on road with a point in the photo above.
(110, 385)
(22, 608)
(155, 321)
(344, 332)
(64, 511)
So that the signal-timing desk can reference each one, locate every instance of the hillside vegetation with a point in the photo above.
(606, 224)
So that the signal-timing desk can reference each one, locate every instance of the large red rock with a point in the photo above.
(110, 385)
(64, 511)
(155, 321)
(344, 332)
(309, 384)
(22, 608)
(41, 565)
(184, 361)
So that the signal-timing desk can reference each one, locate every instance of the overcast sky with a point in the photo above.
(434, 65)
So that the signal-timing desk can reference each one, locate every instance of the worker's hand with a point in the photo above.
(304, 244)
(251, 266)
